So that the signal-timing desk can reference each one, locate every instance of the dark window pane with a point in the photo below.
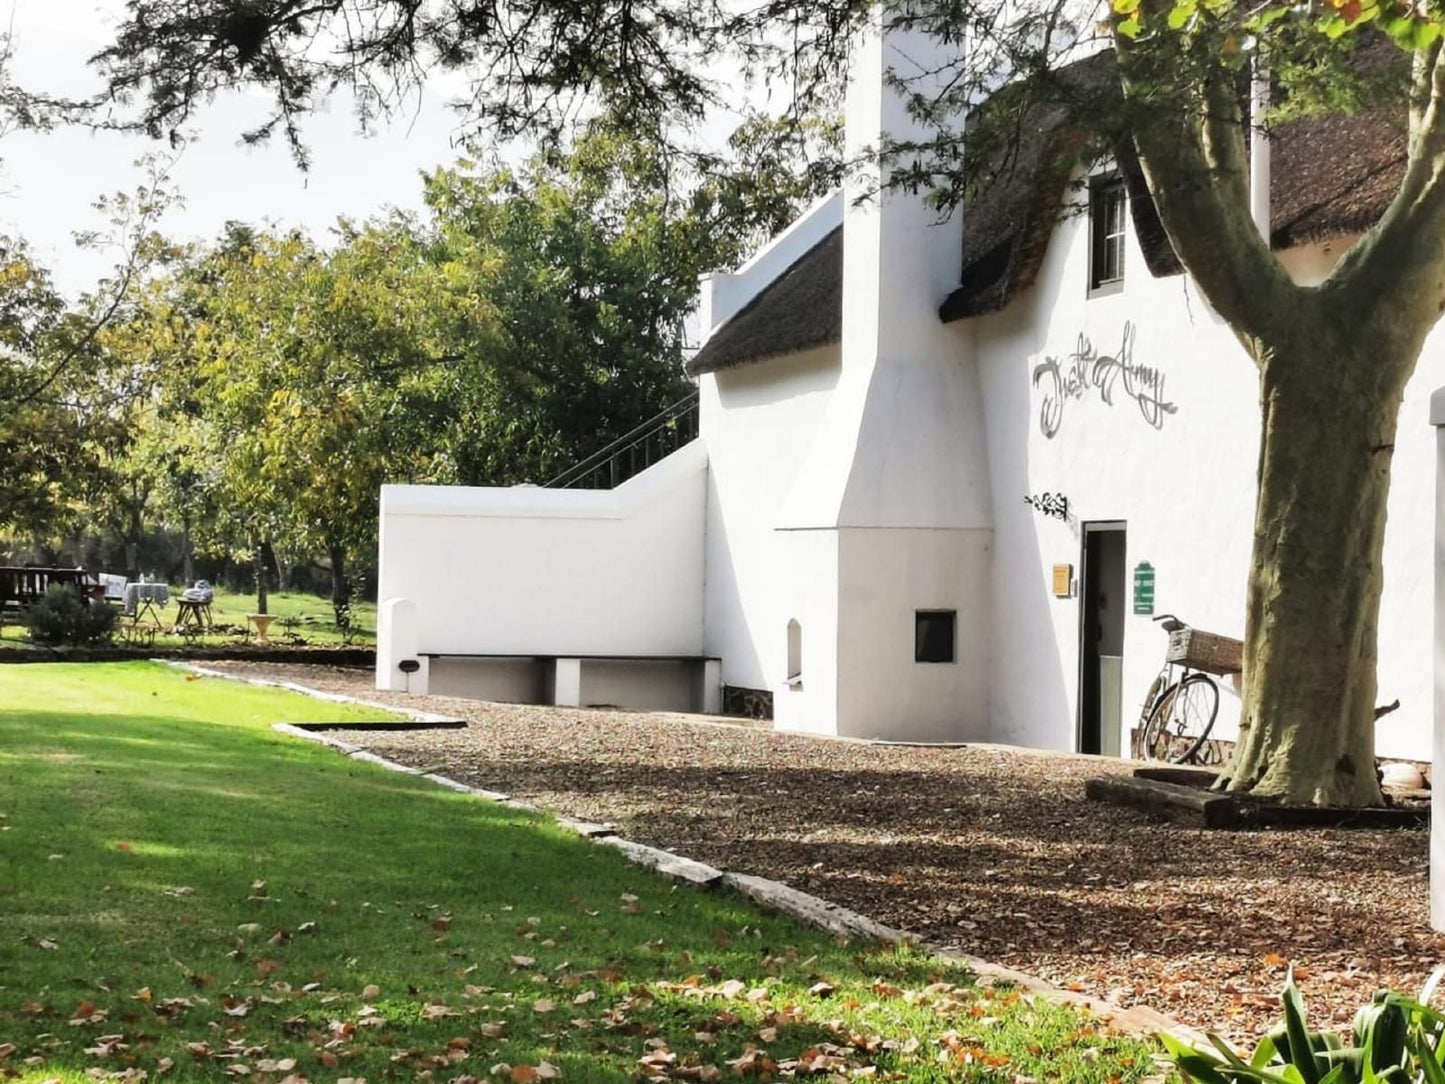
(933, 635)
(1106, 233)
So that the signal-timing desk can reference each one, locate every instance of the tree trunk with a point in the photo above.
(340, 587)
(1307, 729)
(258, 566)
(188, 568)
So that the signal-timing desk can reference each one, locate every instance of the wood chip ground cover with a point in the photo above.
(988, 850)
(186, 895)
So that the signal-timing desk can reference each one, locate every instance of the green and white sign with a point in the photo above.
(1144, 588)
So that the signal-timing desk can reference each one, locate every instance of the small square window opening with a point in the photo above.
(1106, 232)
(933, 635)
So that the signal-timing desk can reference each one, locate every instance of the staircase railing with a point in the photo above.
(634, 451)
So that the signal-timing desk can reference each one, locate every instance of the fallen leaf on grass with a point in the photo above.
(523, 961)
(370, 991)
(46, 943)
(705, 1073)
(125, 845)
(584, 997)
(543, 1005)
(631, 905)
(6, 1049)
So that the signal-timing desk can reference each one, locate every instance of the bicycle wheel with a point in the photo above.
(1181, 720)
(1145, 737)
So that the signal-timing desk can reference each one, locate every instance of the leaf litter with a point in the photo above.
(991, 851)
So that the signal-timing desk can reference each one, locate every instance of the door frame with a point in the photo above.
(1087, 528)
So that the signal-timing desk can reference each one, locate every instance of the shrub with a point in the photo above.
(61, 616)
(1394, 1040)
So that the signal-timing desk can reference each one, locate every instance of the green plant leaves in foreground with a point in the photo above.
(1394, 1039)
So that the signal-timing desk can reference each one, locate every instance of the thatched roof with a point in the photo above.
(800, 309)
(1331, 176)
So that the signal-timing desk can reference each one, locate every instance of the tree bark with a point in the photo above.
(1307, 729)
(258, 566)
(340, 586)
(188, 568)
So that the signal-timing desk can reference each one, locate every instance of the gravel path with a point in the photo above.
(994, 851)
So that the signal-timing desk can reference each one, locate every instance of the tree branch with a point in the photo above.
(1191, 147)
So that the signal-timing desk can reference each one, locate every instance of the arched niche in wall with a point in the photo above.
(795, 654)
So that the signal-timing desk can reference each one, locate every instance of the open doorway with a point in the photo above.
(1103, 588)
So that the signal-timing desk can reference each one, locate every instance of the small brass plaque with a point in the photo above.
(1063, 581)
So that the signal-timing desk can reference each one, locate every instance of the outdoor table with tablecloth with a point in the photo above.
(144, 598)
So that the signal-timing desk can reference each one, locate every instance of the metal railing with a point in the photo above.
(634, 451)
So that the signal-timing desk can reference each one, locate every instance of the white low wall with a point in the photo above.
(529, 571)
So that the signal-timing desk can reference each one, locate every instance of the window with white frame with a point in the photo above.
(1106, 234)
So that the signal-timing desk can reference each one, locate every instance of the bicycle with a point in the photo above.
(1178, 715)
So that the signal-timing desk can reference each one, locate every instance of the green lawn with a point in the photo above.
(299, 618)
(182, 891)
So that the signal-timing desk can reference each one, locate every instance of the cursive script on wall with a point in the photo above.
(1086, 368)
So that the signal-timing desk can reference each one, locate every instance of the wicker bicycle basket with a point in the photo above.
(1206, 651)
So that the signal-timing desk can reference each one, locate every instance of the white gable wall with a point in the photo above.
(1185, 491)
(757, 422)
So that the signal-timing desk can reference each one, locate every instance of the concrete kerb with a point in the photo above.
(1137, 1020)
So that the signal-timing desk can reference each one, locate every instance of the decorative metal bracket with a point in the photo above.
(1050, 504)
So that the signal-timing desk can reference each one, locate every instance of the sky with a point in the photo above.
(49, 181)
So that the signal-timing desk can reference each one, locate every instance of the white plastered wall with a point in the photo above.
(758, 422)
(885, 577)
(1185, 491)
(897, 479)
(528, 571)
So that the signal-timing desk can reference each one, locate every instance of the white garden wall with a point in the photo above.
(527, 571)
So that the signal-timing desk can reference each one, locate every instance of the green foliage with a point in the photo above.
(1394, 1040)
(63, 396)
(62, 616)
(531, 315)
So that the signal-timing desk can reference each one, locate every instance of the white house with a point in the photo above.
(933, 459)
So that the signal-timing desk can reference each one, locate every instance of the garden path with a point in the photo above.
(990, 850)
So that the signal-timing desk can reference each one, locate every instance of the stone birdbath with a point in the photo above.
(263, 624)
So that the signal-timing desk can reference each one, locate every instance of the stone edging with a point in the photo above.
(1137, 1020)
